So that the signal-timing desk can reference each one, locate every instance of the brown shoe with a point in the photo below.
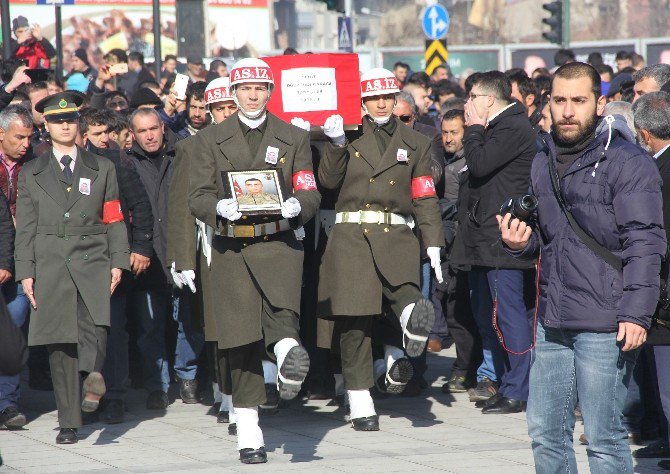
(484, 390)
(94, 389)
(434, 345)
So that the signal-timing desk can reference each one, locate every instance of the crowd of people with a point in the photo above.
(522, 219)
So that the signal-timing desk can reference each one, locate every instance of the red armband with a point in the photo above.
(111, 212)
(423, 186)
(304, 181)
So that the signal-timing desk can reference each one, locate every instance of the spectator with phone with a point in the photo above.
(29, 44)
(16, 79)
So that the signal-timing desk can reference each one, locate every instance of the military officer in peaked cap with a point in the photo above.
(71, 246)
(256, 270)
(386, 189)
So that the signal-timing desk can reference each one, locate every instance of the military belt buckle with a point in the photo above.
(244, 231)
(387, 218)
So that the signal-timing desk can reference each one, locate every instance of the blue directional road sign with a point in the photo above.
(435, 22)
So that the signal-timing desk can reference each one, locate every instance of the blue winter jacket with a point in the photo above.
(614, 192)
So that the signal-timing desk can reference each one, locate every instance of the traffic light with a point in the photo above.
(555, 22)
(334, 5)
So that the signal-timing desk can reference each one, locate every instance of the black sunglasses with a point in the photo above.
(405, 118)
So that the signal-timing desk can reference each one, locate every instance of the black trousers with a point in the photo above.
(462, 325)
(69, 361)
(354, 336)
(241, 368)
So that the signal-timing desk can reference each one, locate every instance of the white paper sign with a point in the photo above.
(309, 89)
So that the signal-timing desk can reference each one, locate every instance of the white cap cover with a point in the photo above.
(251, 70)
(378, 81)
(218, 91)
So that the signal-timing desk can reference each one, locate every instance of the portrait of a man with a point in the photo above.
(257, 191)
(254, 193)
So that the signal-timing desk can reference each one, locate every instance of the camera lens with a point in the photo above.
(529, 202)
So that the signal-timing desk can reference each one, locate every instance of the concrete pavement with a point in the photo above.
(435, 433)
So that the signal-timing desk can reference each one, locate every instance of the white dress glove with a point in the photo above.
(334, 129)
(176, 277)
(434, 255)
(228, 209)
(300, 123)
(290, 208)
(184, 277)
(188, 277)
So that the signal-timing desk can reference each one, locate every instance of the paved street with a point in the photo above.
(440, 433)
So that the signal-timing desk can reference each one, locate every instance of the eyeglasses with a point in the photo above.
(474, 96)
(405, 118)
(122, 104)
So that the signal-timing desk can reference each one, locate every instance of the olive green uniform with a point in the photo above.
(184, 238)
(364, 263)
(64, 244)
(260, 198)
(256, 281)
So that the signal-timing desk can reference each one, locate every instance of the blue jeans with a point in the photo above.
(19, 307)
(567, 363)
(662, 357)
(190, 340)
(493, 363)
(115, 370)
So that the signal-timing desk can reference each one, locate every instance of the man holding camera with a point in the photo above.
(600, 232)
(499, 145)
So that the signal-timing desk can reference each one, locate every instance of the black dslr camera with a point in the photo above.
(521, 208)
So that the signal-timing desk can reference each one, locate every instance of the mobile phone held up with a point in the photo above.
(180, 85)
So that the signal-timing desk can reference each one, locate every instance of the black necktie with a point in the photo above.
(65, 161)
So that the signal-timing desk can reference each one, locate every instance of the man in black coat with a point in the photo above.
(499, 146)
(407, 111)
(153, 154)
(652, 121)
(136, 209)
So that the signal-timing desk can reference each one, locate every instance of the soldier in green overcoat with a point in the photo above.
(386, 192)
(71, 245)
(256, 268)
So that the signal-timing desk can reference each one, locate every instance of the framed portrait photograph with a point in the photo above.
(258, 192)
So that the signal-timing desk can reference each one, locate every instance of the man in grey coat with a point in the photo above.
(71, 246)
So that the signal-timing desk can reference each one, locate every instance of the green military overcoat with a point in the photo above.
(63, 243)
(182, 245)
(244, 269)
(357, 255)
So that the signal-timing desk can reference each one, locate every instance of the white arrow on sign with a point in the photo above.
(436, 23)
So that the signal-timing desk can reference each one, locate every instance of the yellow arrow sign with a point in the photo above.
(436, 54)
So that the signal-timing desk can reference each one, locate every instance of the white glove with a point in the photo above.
(290, 208)
(334, 129)
(188, 277)
(228, 209)
(300, 123)
(434, 255)
(176, 277)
